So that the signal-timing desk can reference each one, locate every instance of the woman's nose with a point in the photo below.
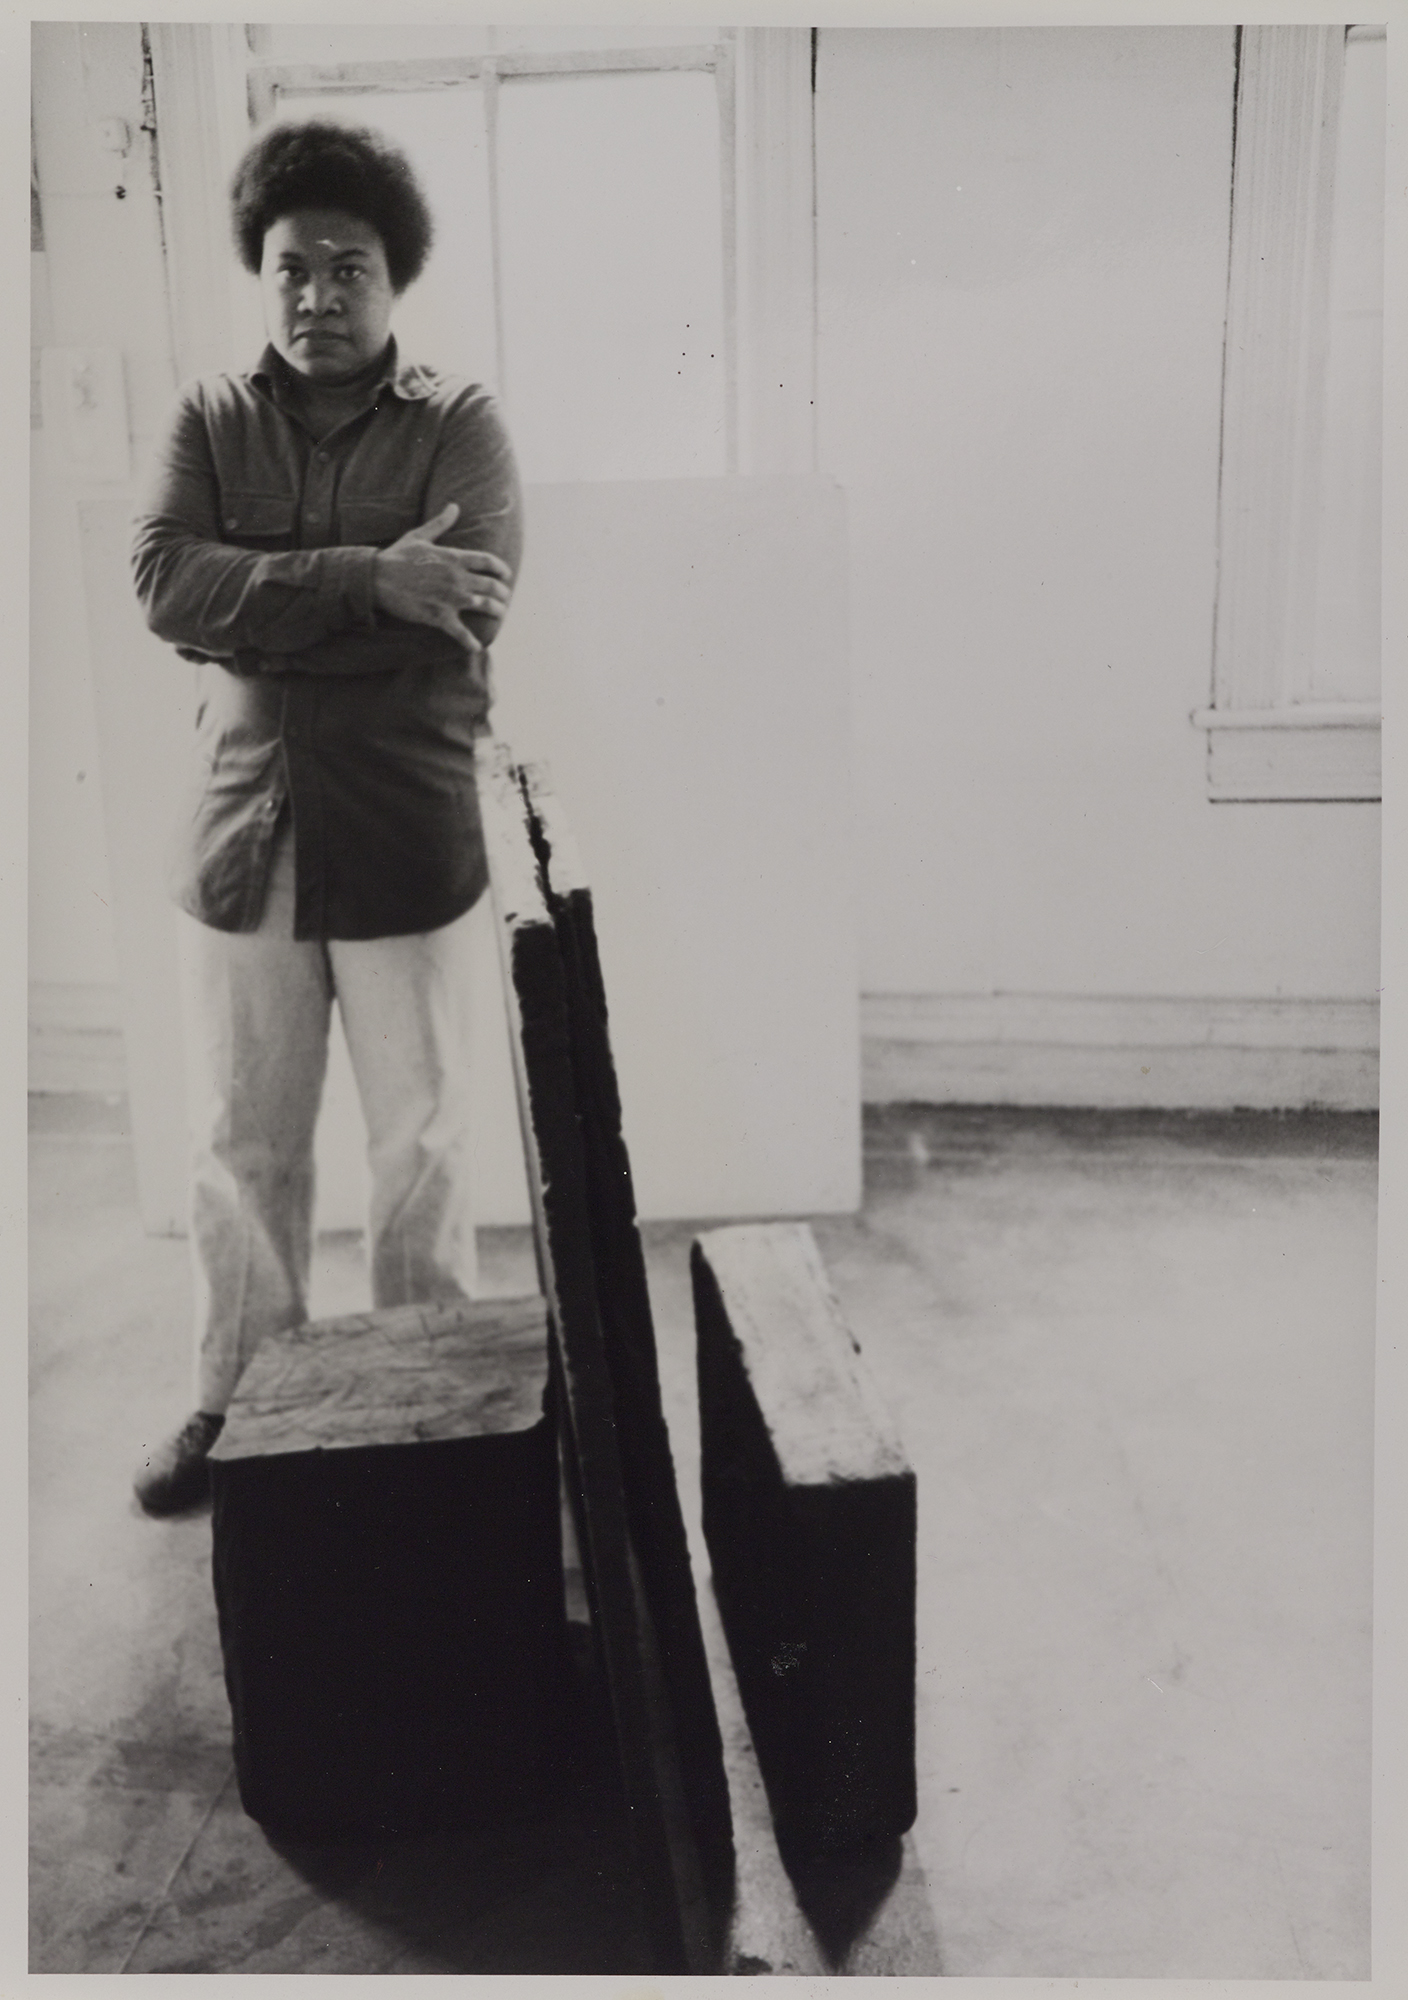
(319, 295)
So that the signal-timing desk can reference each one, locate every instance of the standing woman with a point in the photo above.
(333, 538)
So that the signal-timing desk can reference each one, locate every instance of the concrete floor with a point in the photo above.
(1131, 1356)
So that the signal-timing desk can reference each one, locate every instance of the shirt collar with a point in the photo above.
(406, 379)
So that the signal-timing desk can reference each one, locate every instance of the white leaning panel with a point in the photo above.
(677, 656)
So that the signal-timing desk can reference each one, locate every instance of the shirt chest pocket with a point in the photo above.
(374, 523)
(258, 520)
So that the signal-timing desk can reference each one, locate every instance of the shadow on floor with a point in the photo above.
(552, 1895)
(557, 1894)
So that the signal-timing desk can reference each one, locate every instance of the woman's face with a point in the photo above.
(327, 292)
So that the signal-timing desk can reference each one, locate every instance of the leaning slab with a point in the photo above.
(673, 1876)
(810, 1521)
(651, 1494)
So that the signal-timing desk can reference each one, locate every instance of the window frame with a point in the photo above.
(212, 86)
(1266, 739)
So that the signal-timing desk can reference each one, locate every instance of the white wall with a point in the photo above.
(1022, 252)
(70, 911)
(677, 657)
(106, 292)
(1022, 241)
(708, 619)
(98, 282)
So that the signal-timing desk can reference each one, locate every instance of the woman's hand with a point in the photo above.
(417, 580)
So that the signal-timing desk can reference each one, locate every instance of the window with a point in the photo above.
(580, 264)
(1295, 708)
(625, 226)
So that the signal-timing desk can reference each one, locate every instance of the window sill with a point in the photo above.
(1326, 750)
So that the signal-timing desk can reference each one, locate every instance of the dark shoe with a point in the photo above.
(174, 1477)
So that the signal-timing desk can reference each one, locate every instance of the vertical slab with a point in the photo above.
(810, 1516)
(540, 1038)
(623, 1302)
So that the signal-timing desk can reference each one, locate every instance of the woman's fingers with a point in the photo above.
(484, 559)
(451, 622)
(431, 530)
(429, 585)
(483, 564)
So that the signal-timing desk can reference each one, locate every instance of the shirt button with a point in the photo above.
(271, 806)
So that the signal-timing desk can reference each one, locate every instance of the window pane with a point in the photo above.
(1347, 614)
(447, 318)
(612, 272)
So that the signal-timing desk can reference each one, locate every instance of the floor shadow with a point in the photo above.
(552, 1894)
(841, 1894)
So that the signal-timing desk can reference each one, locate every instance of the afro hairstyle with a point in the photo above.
(321, 165)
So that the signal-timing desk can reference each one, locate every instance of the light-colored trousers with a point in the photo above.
(258, 1008)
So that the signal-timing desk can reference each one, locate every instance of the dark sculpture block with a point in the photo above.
(810, 1519)
(388, 1574)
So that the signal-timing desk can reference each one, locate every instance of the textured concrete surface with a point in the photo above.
(1130, 1358)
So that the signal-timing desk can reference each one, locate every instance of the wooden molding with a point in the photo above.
(1133, 1021)
(1267, 741)
(1304, 715)
(776, 264)
(1119, 1053)
(268, 79)
(1028, 1048)
(202, 110)
(75, 1038)
(1290, 754)
(1273, 386)
(144, 717)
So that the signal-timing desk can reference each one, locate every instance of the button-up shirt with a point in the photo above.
(253, 554)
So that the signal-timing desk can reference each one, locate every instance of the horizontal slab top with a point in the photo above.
(825, 1419)
(411, 1375)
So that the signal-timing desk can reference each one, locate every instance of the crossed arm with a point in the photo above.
(438, 593)
(424, 584)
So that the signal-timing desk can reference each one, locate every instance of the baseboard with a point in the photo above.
(75, 1037)
(962, 1048)
(1119, 1053)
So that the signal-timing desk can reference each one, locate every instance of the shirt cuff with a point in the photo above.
(347, 586)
